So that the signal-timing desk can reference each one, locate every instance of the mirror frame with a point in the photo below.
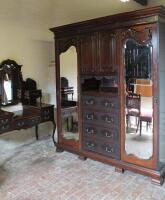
(10, 66)
(61, 46)
(138, 33)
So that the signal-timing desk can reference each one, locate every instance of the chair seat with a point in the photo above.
(146, 115)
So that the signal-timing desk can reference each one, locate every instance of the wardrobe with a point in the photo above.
(115, 68)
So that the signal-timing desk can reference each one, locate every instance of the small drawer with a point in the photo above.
(4, 121)
(101, 103)
(109, 103)
(100, 132)
(101, 147)
(34, 121)
(20, 124)
(110, 150)
(4, 127)
(104, 119)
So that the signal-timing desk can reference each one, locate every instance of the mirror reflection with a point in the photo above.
(138, 99)
(7, 89)
(69, 98)
(10, 81)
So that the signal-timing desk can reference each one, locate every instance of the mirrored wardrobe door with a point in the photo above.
(69, 96)
(138, 100)
(138, 108)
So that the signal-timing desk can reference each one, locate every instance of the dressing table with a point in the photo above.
(19, 110)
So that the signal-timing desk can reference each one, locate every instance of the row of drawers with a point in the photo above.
(100, 118)
(10, 123)
(19, 124)
(101, 146)
(101, 103)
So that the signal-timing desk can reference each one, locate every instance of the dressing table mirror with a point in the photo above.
(10, 83)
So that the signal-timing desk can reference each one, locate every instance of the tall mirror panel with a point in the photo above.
(138, 99)
(69, 95)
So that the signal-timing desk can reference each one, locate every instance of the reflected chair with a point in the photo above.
(145, 117)
(133, 107)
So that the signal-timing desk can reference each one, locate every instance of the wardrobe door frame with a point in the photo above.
(130, 158)
(61, 46)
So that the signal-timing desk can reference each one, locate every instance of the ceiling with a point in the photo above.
(49, 13)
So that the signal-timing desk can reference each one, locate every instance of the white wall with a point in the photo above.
(30, 49)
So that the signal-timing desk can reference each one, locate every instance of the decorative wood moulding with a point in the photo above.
(116, 20)
(142, 2)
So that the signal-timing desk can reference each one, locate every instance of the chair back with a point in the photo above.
(133, 101)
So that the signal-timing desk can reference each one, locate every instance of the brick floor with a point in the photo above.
(32, 170)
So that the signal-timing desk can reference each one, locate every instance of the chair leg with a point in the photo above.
(140, 127)
(127, 118)
(137, 124)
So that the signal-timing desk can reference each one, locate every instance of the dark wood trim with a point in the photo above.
(119, 19)
(151, 162)
(156, 175)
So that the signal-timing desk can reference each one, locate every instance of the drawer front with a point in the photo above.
(91, 102)
(47, 114)
(104, 119)
(101, 147)
(4, 124)
(27, 123)
(21, 124)
(99, 132)
(34, 121)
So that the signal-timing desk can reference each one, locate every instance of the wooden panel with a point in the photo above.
(88, 53)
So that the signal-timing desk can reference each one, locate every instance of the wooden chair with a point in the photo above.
(133, 107)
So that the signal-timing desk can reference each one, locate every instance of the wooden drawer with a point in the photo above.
(4, 124)
(27, 123)
(109, 134)
(101, 103)
(102, 147)
(103, 118)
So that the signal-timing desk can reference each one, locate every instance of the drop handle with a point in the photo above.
(109, 119)
(108, 104)
(109, 135)
(20, 124)
(90, 131)
(90, 144)
(89, 102)
(89, 116)
(109, 149)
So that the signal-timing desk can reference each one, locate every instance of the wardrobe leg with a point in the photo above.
(119, 170)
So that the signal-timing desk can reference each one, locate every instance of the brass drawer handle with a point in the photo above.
(90, 130)
(89, 102)
(90, 144)
(109, 119)
(108, 104)
(5, 127)
(89, 116)
(109, 149)
(108, 134)
(20, 124)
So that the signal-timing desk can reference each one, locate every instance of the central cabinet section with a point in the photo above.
(99, 65)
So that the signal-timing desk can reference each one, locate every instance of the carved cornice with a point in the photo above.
(140, 16)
